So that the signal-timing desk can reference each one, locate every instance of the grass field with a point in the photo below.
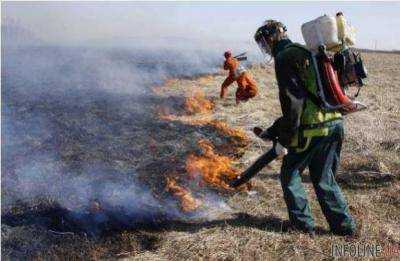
(250, 225)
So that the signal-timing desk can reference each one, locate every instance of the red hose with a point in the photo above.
(334, 91)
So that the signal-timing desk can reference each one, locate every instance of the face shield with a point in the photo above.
(265, 49)
(269, 31)
(261, 39)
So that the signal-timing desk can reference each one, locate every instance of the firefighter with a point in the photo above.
(247, 87)
(309, 136)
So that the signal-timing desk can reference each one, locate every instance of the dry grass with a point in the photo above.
(255, 227)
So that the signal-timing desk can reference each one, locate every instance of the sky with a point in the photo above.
(119, 23)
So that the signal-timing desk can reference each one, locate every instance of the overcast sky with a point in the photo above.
(76, 23)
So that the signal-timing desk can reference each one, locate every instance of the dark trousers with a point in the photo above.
(322, 157)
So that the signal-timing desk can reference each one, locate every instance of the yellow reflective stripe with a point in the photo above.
(332, 115)
(315, 117)
(316, 132)
(308, 134)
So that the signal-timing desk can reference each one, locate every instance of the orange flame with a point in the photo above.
(170, 82)
(224, 129)
(205, 79)
(215, 169)
(221, 126)
(197, 103)
(188, 203)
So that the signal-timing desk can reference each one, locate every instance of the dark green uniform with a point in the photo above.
(313, 138)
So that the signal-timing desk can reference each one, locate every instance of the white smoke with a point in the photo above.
(75, 109)
(56, 146)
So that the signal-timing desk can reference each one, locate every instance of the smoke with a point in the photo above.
(75, 120)
(51, 93)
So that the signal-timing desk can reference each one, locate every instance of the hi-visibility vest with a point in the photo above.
(313, 117)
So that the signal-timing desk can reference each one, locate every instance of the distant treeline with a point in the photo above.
(378, 51)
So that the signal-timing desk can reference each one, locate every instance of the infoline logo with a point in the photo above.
(364, 250)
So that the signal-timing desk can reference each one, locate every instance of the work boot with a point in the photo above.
(308, 231)
(352, 233)
(311, 233)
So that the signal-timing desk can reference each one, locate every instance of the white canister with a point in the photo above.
(321, 31)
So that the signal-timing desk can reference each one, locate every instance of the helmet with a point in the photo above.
(228, 54)
(271, 29)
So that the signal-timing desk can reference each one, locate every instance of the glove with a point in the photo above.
(280, 150)
(263, 134)
(257, 131)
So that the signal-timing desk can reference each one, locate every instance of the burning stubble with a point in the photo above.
(215, 170)
(206, 170)
(188, 203)
(198, 103)
(74, 123)
(78, 125)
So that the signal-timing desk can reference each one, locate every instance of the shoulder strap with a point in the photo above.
(300, 46)
(314, 99)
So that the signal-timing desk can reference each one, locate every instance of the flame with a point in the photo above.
(188, 203)
(197, 103)
(224, 129)
(170, 82)
(215, 169)
(208, 167)
(204, 80)
(221, 126)
(194, 104)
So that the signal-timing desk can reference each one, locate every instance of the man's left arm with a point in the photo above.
(292, 96)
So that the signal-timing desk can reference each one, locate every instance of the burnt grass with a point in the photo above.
(114, 130)
(124, 138)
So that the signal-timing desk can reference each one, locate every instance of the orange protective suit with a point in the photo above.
(247, 87)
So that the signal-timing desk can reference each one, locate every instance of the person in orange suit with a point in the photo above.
(247, 87)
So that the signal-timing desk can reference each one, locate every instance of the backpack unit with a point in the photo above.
(335, 73)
